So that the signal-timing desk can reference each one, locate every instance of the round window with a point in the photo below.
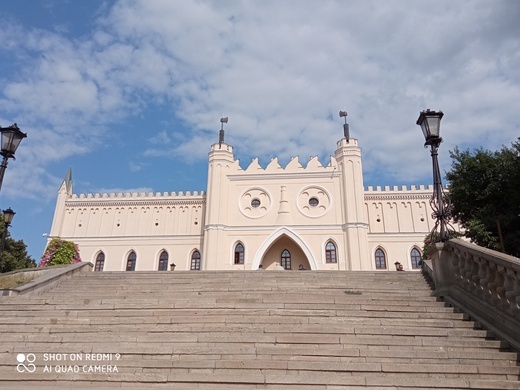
(255, 203)
(313, 202)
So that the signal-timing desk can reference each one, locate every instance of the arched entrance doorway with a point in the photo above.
(284, 246)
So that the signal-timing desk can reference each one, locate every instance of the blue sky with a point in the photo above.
(129, 93)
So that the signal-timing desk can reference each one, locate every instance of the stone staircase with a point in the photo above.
(246, 330)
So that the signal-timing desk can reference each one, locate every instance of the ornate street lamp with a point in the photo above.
(430, 125)
(8, 218)
(11, 138)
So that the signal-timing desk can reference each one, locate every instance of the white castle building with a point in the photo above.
(317, 217)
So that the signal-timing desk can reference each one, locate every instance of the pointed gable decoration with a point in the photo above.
(236, 165)
(254, 166)
(332, 163)
(273, 166)
(314, 163)
(294, 165)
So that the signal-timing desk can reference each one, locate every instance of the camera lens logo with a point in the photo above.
(30, 358)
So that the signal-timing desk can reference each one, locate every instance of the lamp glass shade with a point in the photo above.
(8, 216)
(430, 123)
(11, 138)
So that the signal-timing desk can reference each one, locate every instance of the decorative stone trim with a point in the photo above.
(246, 206)
(322, 197)
(285, 176)
(129, 203)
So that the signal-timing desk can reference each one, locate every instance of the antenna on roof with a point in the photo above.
(343, 114)
(221, 134)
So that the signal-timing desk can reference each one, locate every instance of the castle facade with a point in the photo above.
(317, 217)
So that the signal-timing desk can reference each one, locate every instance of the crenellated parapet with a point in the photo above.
(294, 166)
(135, 199)
(403, 188)
(293, 170)
(398, 193)
(135, 195)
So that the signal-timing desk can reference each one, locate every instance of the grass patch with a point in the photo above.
(11, 281)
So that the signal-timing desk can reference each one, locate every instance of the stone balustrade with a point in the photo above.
(482, 282)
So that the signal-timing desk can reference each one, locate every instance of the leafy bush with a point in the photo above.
(428, 240)
(435, 237)
(60, 252)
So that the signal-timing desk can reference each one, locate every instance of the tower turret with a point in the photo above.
(355, 224)
(64, 193)
(221, 159)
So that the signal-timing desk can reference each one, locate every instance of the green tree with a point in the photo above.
(15, 254)
(485, 192)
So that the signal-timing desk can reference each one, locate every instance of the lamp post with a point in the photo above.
(430, 125)
(11, 138)
(8, 218)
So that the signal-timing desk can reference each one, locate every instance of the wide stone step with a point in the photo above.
(182, 378)
(312, 302)
(170, 290)
(369, 337)
(253, 332)
(323, 359)
(353, 326)
(249, 330)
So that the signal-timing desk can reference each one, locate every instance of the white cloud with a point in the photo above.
(135, 166)
(160, 138)
(278, 70)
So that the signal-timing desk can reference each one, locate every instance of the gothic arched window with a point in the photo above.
(330, 253)
(195, 261)
(380, 259)
(286, 259)
(239, 254)
(163, 261)
(131, 261)
(100, 262)
(416, 258)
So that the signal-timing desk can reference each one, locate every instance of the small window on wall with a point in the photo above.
(195, 261)
(286, 259)
(330, 253)
(130, 262)
(415, 256)
(380, 259)
(239, 254)
(100, 262)
(163, 261)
